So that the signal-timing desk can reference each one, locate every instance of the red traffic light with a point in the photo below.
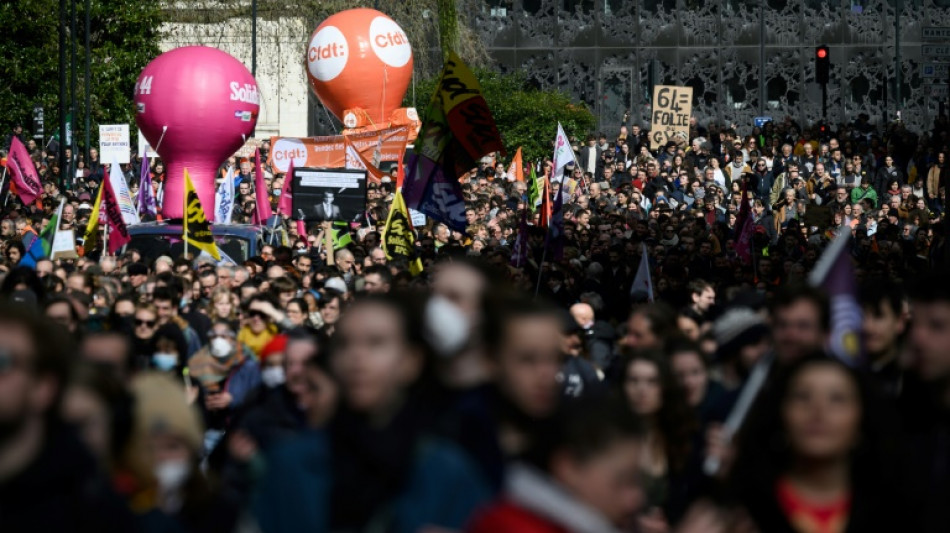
(821, 53)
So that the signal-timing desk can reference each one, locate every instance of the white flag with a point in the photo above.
(224, 199)
(642, 282)
(122, 194)
(563, 154)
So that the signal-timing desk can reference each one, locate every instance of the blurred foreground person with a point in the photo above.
(168, 444)
(925, 405)
(816, 454)
(377, 466)
(669, 459)
(582, 475)
(48, 479)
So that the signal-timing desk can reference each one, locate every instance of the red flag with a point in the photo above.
(286, 203)
(400, 170)
(745, 227)
(119, 234)
(516, 168)
(263, 211)
(23, 172)
(546, 207)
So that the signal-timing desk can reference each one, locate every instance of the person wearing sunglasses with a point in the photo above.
(261, 317)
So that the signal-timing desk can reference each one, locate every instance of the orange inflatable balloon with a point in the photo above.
(360, 58)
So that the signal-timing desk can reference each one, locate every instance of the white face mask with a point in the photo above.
(164, 361)
(171, 475)
(273, 376)
(220, 347)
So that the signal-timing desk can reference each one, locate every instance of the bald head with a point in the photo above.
(583, 314)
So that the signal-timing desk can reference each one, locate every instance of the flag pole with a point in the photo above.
(2, 180)
(544, 253)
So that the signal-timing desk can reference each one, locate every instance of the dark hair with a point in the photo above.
(583, 428)
(931, 288)
(165, 294)
(51, 346)
(503, 310)
(697, 286)
(675, 420)
(106, 386)
(873, 293)
(26, 276)
(662, 319)
(788, 295)
(381, 270)
(763, 453)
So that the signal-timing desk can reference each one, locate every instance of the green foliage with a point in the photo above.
(124, 38)
(526, 116)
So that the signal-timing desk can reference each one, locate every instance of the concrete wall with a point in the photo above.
(281, 71)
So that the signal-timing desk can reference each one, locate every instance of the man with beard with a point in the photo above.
(48, 480)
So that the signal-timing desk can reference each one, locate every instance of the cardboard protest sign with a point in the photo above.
(672, 107)
(328, 194)
(114, 143)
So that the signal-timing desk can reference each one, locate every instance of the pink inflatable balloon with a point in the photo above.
(195, 105)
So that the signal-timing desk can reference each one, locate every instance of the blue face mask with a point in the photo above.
(164, 361)
(277, 192)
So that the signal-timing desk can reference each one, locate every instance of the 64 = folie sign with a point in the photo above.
(672, 107)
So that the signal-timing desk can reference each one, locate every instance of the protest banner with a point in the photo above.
(672, 107)
(114, 143)
(330, 151)
(328, 194)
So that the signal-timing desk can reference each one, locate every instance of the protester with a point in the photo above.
(363, 384)
(828, 469)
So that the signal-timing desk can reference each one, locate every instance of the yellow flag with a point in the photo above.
(399, 239)
(91, 238)
(195, 226)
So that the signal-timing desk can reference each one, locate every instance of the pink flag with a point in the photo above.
(263, 211)
(119, 232)
(286, 203)
(301, 229)
(28, 186)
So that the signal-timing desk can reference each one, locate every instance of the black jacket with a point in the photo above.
(62, 490)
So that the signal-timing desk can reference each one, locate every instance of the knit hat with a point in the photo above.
(161, 407)
(276, 345)
(736, 328)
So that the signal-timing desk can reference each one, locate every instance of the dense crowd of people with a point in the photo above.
(323, 387)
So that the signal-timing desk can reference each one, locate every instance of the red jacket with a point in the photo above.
(505, 517)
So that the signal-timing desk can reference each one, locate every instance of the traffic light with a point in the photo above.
(822, 64)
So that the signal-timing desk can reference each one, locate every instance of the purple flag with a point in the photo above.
(414, 186)
(519, 252)
(555, 234)
(834, 273)
(145, 199)
(442, 200)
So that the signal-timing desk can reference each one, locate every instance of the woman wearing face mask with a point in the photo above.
(388, 472)
(167, 442)
(227, 373)
(169, 350)
(816, 454)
